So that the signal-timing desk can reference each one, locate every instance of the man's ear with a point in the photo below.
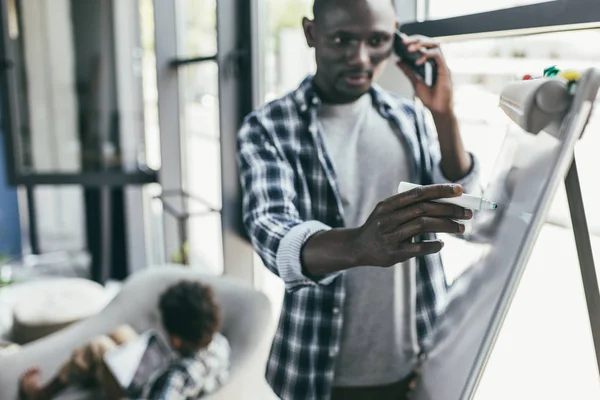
(309, 31)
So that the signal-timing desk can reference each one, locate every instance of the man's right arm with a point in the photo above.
(272, 220)
(386, 238)
(305, 253)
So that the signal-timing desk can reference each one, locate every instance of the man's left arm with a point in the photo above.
(455, 162)
(452, 163)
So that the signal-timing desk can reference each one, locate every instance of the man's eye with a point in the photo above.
(376, 41)
(338, 40)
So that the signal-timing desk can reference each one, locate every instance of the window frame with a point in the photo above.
(554, 16)
(9, 107)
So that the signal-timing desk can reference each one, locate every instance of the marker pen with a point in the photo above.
(465, 200)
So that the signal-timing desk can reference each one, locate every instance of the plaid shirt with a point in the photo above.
(290, 193)
(188, 378)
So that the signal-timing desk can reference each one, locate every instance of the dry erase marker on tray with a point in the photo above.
(468, 201)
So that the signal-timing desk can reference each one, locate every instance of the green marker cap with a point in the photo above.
(551, 71)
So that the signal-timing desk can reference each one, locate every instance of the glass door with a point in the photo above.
(202, 58)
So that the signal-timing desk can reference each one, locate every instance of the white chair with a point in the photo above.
(246, 324)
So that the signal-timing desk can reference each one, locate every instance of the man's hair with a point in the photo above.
(320, 5)
(189, 311)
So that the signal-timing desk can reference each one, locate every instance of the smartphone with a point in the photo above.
(427, 71)
(138, 361)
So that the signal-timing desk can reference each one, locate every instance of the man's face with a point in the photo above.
(352, 41)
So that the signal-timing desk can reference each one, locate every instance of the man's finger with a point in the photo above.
(421, 194)
(422, 45)
(425, 209)
(423, 225)
(410, 250)
(428, 209)
(438, 58)
(430, 55)
(420, 41)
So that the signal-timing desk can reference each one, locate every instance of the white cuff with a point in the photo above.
(288, 259)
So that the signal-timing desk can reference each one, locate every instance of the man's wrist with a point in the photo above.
(354, 248)
(441, 118)
(330, 251)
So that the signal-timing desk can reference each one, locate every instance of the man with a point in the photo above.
(320, 169)
(191, 318)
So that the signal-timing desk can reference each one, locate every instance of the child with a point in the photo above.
(191, 319)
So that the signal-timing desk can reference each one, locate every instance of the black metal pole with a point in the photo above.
(236, 92)
(585, 253)
(180, 62)
(32, 221)
(105, 227)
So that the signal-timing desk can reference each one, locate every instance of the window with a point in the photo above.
(287, 58)
(438, 9)
(481, 69)
(202, 158)
(150, 91)
(74, 90)
(197, 27)
(199, 99)
(69, 117)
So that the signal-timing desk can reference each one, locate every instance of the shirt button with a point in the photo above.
(303, 108)
(333, 352)
(336, 310)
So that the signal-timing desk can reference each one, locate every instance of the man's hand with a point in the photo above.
(387, 237)
(439, 98)
(455, 162)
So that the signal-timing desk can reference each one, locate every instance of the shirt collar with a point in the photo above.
(307, 99)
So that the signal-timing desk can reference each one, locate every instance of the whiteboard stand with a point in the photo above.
(585, 253)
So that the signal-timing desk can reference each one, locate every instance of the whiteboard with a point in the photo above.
(526, 176)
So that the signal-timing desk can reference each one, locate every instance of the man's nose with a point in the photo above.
(359, 55)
